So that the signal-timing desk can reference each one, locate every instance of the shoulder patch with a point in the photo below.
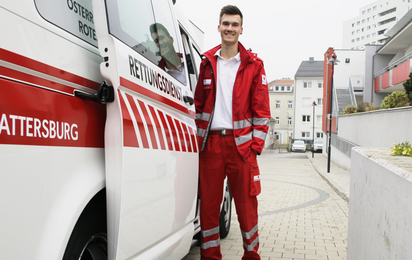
(264, 81)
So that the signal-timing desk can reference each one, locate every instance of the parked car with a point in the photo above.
(298, 146)
(318, 145)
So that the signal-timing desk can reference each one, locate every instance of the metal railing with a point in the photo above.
(343, 145)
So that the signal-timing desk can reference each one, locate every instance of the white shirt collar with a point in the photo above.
(237, 57)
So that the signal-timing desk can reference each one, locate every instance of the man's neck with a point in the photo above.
(229, 51)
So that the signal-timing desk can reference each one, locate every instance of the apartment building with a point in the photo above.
(281, 109)
(373, 21)
(308, 98)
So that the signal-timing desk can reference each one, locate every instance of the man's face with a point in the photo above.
(163, 42)
(230, 28)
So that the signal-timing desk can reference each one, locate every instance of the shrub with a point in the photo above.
(404, 148)
(349, 109)
(365, 107)
(396, 99)
(360, 108)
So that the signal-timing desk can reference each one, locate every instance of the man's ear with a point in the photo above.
(241, 30)
(218, 28)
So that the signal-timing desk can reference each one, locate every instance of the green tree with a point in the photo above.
(408, 87)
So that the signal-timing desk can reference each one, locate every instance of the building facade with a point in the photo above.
(373, 22)
(308, 98)
(281, 109)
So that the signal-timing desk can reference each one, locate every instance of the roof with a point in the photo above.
(285, 81)
(310, 69)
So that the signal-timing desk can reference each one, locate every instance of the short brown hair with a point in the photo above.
(230, 9)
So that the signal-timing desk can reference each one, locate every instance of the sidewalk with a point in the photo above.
(301, 217)
(338, 177)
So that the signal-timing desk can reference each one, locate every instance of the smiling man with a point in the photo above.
(232, 117)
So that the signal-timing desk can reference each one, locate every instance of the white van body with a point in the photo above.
(75, 152)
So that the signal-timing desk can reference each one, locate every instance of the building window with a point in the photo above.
(320, 84)
(290, 106)
(277, 88)
(307, 84)
(319, 119)
(320, 101)
(319, 135)
(277, 120)
(289, 121)
(306, 134)
(282, 88)
(288, 88)
(306, 102)
(306, 118)
(277, 103)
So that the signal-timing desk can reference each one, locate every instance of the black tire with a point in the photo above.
(225, 213)
(88, 240)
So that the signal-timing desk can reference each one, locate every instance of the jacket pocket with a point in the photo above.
(255, 187)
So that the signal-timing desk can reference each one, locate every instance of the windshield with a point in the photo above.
(298, 142)
(318, 142)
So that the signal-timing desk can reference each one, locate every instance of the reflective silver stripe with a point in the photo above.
(210, 232)
(259, 134)
(249, 235)
(213, 243)
(243, 139)
(203, 116)
(242, 124)
(251, 246)
(260, 121)
(201, 132)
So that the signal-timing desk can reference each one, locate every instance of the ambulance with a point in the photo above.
(98, 144)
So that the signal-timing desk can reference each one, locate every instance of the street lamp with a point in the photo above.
(313, 137)
(332, 61)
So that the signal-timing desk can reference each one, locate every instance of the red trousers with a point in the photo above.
(218, 160)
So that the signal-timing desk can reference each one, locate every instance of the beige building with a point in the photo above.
(281, 109)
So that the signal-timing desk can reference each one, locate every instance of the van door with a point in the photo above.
(150, 136)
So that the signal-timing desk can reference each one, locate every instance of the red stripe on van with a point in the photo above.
(174, 132)
(139, 121)
(34, 116)
(180, 132)
(148, 93)
(46, 69)
(149, 124)
(167, 130)
(188, 141)
(18, 75)
(194, 139)
(129, 132)
(158, 127)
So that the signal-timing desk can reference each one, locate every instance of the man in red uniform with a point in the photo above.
(232, 117)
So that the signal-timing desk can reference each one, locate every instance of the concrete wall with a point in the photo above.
(380, 215)
(380, 128)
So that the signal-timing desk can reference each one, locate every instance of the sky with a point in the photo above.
(283, 33)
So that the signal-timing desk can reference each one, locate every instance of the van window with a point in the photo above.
(148, 27)
(73, 16)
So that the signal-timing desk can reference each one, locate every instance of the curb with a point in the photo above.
(331, 183)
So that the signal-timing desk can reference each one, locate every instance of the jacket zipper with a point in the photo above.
(213, 110)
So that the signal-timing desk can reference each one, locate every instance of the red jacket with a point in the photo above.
(250, 108)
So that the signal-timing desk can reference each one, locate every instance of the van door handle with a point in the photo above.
(188, 99)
